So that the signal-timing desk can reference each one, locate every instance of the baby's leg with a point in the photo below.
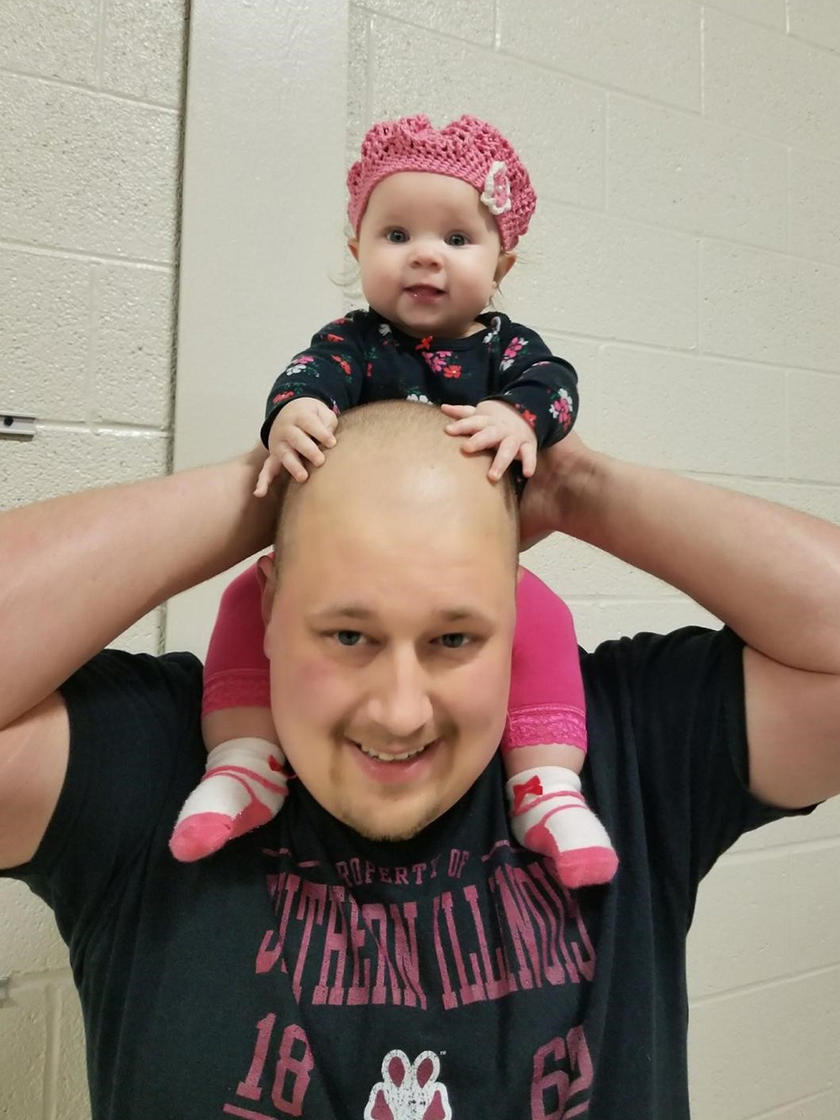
(549, 814)
(244, 784)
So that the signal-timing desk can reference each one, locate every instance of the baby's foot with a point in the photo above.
(549, 815)
(244, 786)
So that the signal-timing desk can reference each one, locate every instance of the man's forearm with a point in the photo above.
(76, 571)
(769, 572)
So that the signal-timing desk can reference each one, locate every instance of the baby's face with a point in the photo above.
(429, 253)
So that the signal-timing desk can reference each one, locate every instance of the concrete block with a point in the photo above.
(814, 216)
(754, 1049)
(651, 48)
(762, 81)
(358, 63)
(815, 907)
(742, 932)
(563, 149)
(132, 352)
(693, 414)
(769, 308)
(815, 20)
(814, 405)
(55, 38)
(579, 570)
(671, 168)
(44, 328)
(61, 461)
(144, 49)
(90, 173)
(28, 935)
(769, 12)
(813, 82)
(600, 277)
(73, 1100)
(603, 620)
(823, 1106)
(744, 76)
(473, 20)
(23, 1040)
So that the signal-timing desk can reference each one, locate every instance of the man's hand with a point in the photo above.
(553, 496)
(495, 424)
(295, 435)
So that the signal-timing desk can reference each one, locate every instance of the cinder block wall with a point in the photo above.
(90, 100)
(686, 257)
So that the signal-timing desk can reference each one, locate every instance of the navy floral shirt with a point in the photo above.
(362, 358)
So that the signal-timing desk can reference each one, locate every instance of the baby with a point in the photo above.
(436, 215)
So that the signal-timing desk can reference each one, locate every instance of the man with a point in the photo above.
(382, 949)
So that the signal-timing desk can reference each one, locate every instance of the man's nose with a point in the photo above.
(400, 705)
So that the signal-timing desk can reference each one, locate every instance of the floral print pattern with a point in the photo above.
(361, 357)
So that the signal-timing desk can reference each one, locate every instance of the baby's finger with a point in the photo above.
(481, 441)
(528, 456)
(306, 448)
(458, 410)
(313, 425)
(467, 426)
(270, 470)
(329, 421)
(294, 466)
(505, 454)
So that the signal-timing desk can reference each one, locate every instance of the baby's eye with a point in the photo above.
(397, 236)
(348, 637)
(457, 240)
(455, 640)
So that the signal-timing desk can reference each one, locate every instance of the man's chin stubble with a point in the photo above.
(390, 836)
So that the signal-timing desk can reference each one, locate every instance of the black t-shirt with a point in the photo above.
(305, 971)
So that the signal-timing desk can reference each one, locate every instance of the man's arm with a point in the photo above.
(770, 573)
(74, 573)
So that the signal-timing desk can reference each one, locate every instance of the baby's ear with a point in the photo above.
(505, 263)
(353, 246)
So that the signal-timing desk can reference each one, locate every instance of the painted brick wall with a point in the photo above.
(686, 256)
(90, 99)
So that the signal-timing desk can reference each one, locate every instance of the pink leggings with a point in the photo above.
(546, 702)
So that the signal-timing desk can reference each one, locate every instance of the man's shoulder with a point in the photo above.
(118, 687)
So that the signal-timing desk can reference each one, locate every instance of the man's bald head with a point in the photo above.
(395, 456)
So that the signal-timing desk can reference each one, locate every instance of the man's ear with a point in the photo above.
(268, 585)
(353, 246)
(505, 263)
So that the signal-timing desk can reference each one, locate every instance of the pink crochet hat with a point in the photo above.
(467, 149)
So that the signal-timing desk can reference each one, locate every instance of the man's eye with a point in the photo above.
(397, 236)
(456, 640)
(457, 240)
(348, 637)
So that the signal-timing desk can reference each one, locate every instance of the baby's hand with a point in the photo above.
(292, 438)
(495, 424)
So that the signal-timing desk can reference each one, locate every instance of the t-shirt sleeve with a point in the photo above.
(135, 751)
(674, 705)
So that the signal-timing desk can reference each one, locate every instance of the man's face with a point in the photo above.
(390, 647)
